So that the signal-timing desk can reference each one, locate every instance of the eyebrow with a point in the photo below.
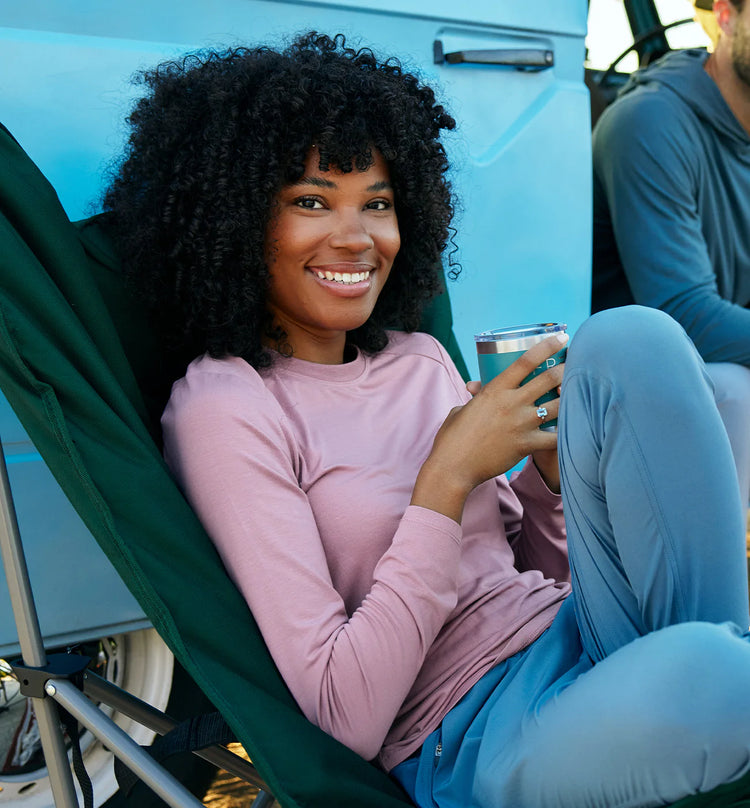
(381, 185)
(320, 182)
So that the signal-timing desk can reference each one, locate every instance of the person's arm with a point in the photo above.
(642, 164)
(230, 447)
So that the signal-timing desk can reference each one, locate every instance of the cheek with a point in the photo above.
(390, 241)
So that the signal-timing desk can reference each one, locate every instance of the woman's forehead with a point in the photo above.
(317, 172)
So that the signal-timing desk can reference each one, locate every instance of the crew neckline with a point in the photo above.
(345, 372)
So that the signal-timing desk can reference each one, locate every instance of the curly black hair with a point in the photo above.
(213, 141)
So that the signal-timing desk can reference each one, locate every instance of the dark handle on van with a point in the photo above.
(521, 59)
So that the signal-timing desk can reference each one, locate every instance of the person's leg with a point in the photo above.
(664, 717)
(732, 394)
(655, 526)
(656, 536)
(656, 539)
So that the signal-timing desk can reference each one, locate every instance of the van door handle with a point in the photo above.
(521, 58)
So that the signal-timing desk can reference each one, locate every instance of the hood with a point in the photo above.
(684, 74)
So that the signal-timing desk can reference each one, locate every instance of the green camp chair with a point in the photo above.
(88, 379)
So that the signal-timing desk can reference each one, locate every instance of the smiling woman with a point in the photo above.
(193, 225)
(330, 254)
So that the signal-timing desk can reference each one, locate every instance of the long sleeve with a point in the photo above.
(649, 163)
(235, 455)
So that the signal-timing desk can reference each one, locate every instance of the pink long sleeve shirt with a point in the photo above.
(378, 614)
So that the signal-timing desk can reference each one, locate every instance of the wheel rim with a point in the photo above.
(138, 662)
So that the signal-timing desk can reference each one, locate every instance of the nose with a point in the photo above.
(351, 233)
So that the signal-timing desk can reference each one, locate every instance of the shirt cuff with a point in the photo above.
(529, 483)
(433, 520)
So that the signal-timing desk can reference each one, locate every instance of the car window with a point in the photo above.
(609, 32)
(608, 36)
(689, 35)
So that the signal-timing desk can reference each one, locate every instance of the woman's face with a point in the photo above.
(330, 247)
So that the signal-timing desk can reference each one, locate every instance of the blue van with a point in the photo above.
(513, 76)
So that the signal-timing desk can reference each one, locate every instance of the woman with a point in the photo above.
(288, 207)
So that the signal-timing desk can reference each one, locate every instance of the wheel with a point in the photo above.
(140, 663)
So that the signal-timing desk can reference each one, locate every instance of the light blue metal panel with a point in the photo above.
(521, 154)
(561, 17)
(77, 592)
(64, 98)
(137, 20)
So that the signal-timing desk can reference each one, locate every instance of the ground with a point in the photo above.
(228, 791)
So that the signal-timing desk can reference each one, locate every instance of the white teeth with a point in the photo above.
(344, 277)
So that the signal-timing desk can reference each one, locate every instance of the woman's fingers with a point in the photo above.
(538, 356)
(545, 382)
(552, 407)
(542, 441)
(529, 361)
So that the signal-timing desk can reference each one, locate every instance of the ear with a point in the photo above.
(725, 13)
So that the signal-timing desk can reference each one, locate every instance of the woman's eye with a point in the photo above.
(380, 204)
(309, 203)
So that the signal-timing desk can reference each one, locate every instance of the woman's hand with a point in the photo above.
(492, 433)
(545, 460)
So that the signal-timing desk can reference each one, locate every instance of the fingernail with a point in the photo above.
(562, 338)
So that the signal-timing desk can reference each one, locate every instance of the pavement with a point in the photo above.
(228, 791)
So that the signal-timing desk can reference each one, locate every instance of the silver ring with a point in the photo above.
(541, 413)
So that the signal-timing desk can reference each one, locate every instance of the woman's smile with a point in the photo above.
(349, 279)
(330, 247)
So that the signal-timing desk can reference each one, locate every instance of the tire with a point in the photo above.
(140, 663)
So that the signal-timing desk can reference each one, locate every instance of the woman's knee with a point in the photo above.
(635, 342)
(619, 331)
(694, 679)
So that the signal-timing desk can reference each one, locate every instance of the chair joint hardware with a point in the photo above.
(59, 666)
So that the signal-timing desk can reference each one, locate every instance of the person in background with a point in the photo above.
(672, 205)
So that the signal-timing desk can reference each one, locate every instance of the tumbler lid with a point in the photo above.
(520, 331)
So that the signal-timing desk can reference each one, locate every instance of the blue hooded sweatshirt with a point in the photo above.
(672, 205)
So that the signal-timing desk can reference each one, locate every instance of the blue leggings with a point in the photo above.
(639, 692)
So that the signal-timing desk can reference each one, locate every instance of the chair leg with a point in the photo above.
(32, 649)
(134, 756)
(101, 690)
(263, 800)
